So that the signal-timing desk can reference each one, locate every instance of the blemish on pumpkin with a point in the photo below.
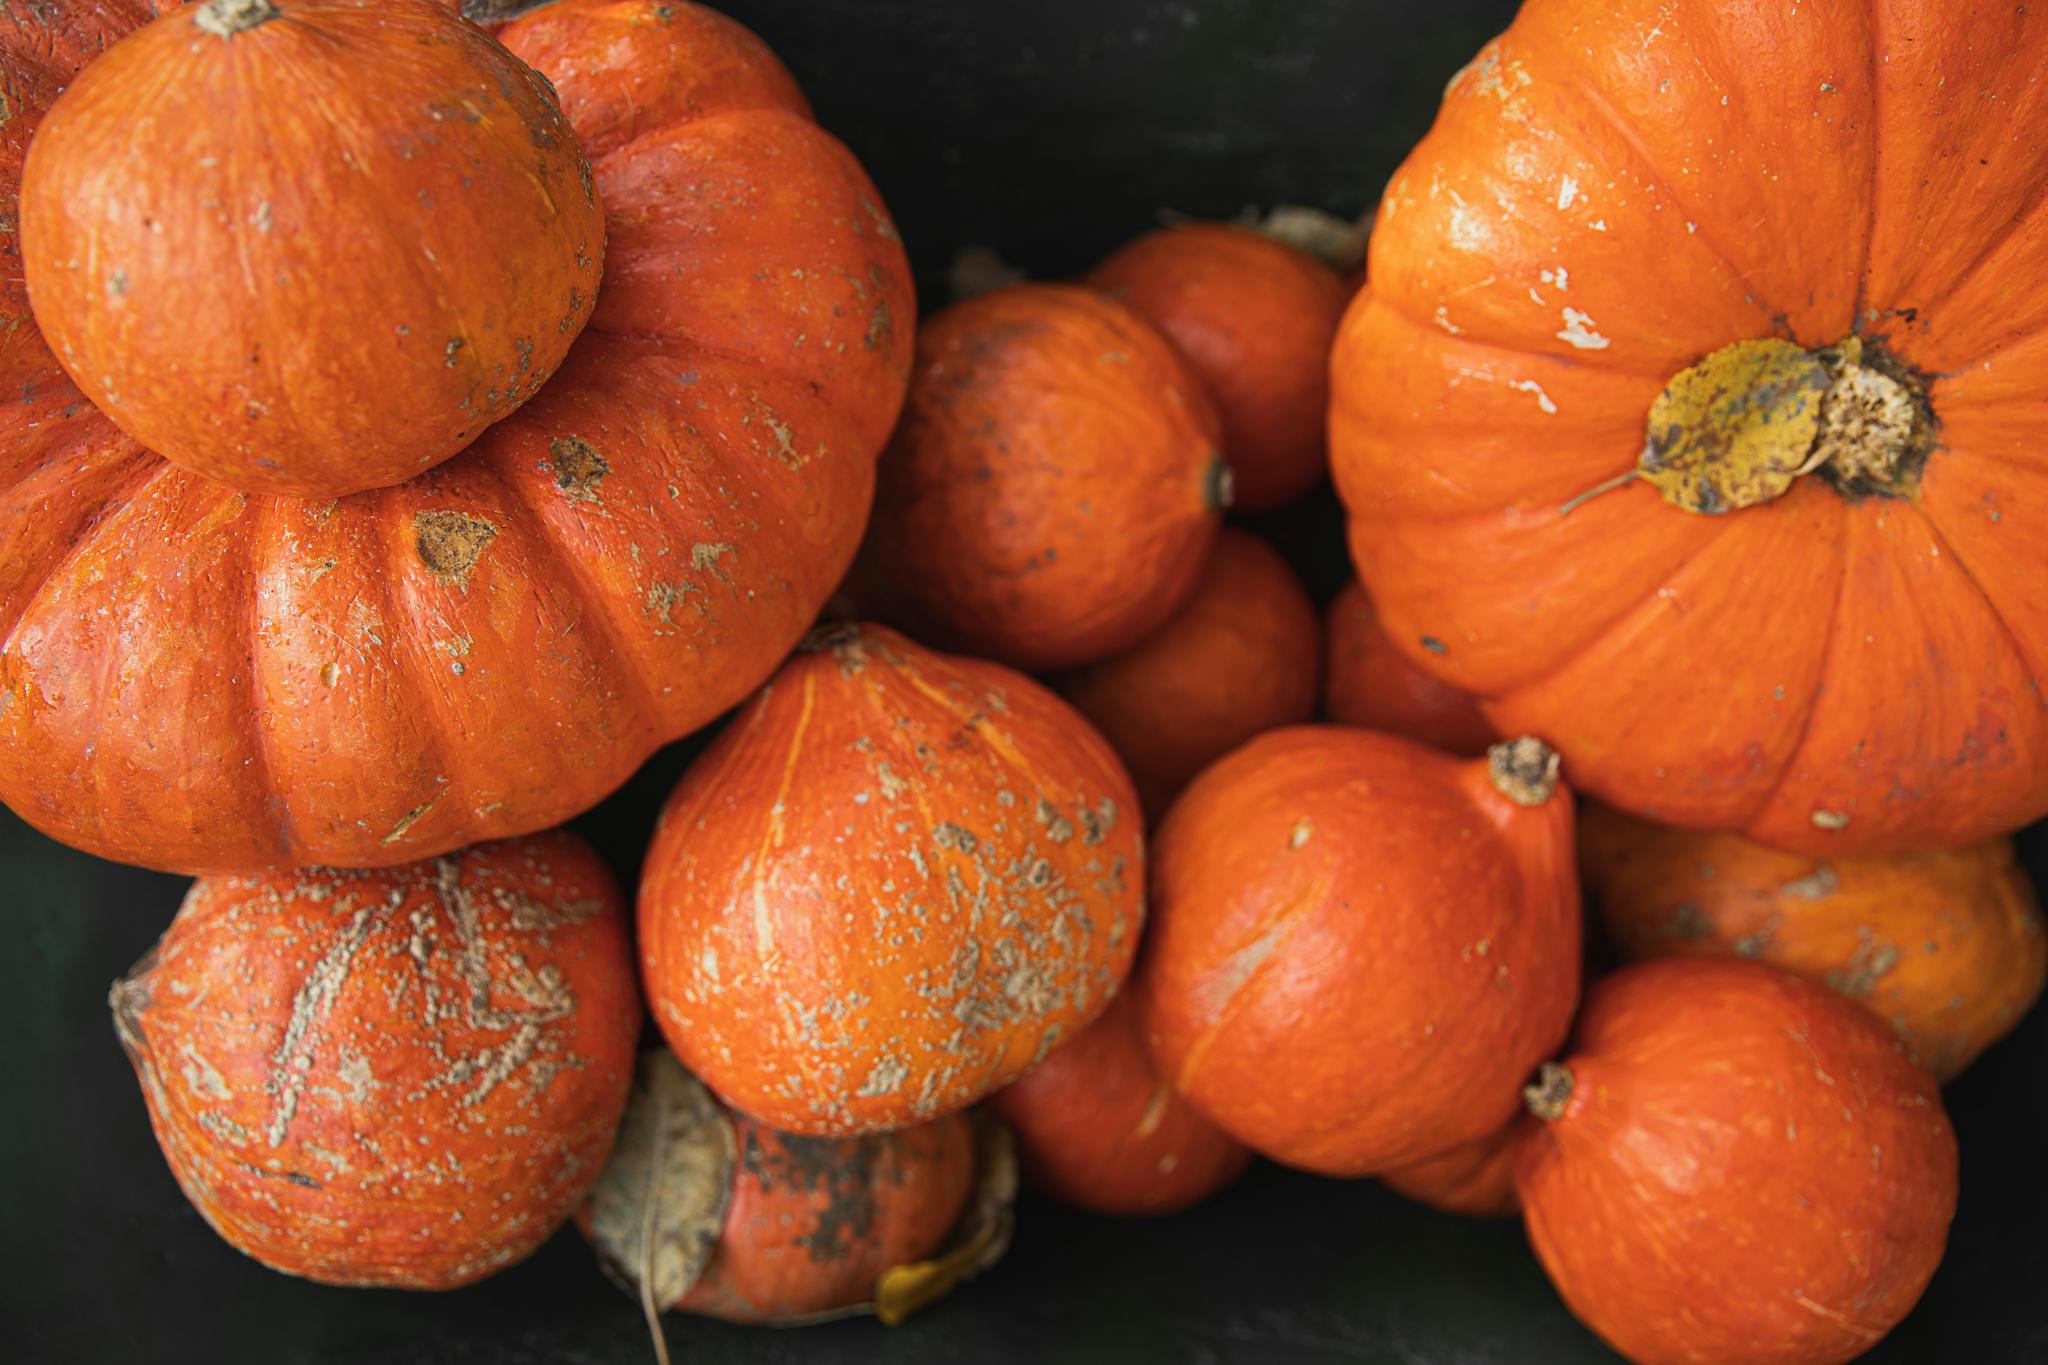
(1830, 819)
(260, 219)
(1299, 835)
(226, 18)
(578, 466)
(451, 543)
(705, 557)
(1866, 966)
(1434, 645)
(1822, 881)
(454, 345)
(330, 673)
(117, 282)
(662, 598)
(879, 326)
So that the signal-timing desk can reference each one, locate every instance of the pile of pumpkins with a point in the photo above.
(418, 425)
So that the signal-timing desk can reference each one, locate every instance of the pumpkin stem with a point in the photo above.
(226, 18)
(1523, 770)
(1548, 1094)
(1604, 486)
(1338, 243)
(1219, 486)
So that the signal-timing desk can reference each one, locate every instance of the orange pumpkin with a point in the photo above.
(197, 678)
(1254, 317)
(1476, 1179)
(1361, 947)
(199, 310)
(1238, 657)
(1098, 1128)
(1735, 1167)
(1948, 947)
(1770, 272)
(896, 880)
(1055, 485)
(1368, 682)
(405, 1078)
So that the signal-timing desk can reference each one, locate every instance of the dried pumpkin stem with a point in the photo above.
(226, 18)
(1523, 770)
(1550, 1092)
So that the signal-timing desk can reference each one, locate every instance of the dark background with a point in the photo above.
(1050, 130)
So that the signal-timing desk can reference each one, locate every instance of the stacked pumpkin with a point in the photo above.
(575, 459)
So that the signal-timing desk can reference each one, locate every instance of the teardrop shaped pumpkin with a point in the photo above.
(1370, 683)
(1361, 947)
(1735, 1167)
(1055, 485)
(894, 882)
(1948, 947)
(1692, 409)
(207, 680)
(1237, 658)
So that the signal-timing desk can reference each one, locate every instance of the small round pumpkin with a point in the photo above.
(405, 1078)
(206, 680)
(1238, 657)
(1368, 682)
(1476, 1179)
(1735, 1167)
(1097, 1127)
(184, 267)
(1948, 947)
(1767, 276)
(895, 881)
(1054, 486)
(1361, 947)
(1255, 318)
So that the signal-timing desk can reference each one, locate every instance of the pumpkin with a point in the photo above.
(1254, 317)
(1946, 946)
(895, 881)
(1097, 1127)
(1735, 1167)
(406, 1077)
(188, 197)
(1361, 947)
(1238, 657)
(1054, 486)
(1369, 682)
(710, 1212)
(1476, 1179)
(202, 679)
(1766, 277)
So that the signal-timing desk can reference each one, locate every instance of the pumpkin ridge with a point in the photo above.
(149, 466)
(263, 768)
(1876, 79)
(1577, 360)
(2039, 668)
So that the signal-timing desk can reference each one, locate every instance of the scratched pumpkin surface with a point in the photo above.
(895, 881)
(407, 1077)
(204, 680)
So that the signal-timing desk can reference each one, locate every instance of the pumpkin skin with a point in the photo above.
(1055, 485)
(1836, 673)
(1476, 1179)
(1945, 946)
(1361, 947)
(1370, 683)
(895, 881)
(406, 1078)
(204, 680)
(1747, 1169)
(199, 311)
(1238, 657)
(1097, 1127)
(1255, 318)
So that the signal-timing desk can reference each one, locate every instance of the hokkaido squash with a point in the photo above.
(1476, 1179)
(1097, 1127)
(707, 1211)
(1947, 947)
(1735, 1167)
(1690, 419)
(894, 882)
(1361, 947)
(1254, 317)
(406, 1078)
(1238, 657)
(197, 678)
(1368, 682)
(199, 310)
(1055, 484)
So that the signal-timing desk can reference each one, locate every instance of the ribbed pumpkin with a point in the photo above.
(199, 309)
(206, 680)
(1476, 1179)
(1361, 947)
(1239, 657)
(1735, 1167)
(1097, 1127)
(1368, 682)
(895, 881)
(1776, 267)
(1254, 317)
(406, 1078)
(1055, 484)
(1947, 947)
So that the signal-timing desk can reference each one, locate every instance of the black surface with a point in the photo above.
(1050, 131)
